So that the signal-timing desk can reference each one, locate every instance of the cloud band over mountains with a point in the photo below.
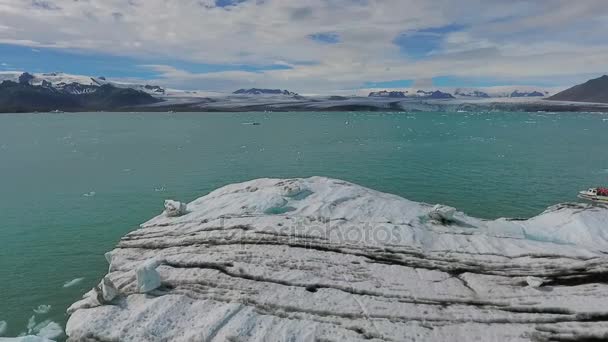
(318, 45)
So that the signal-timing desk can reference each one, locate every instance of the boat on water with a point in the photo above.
(595, 194)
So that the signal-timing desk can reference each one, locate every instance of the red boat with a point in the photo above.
(595, 195)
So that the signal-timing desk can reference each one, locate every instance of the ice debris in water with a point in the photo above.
(23, 338)
(49, 330)
(442, 213)
(42, 309)
(175, 208)
(148, 278)
(534, 282)
(3, 327)
(43, 331)
(73, 282)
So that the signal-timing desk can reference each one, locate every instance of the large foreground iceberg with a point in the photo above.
(325, 260)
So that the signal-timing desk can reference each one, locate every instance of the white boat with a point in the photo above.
(595, 195)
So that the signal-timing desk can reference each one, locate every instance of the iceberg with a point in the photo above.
(347, 263)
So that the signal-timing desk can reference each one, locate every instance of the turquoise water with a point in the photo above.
(488, 165)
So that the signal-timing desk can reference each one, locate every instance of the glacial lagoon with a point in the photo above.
(72, 184)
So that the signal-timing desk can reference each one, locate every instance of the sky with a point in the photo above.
(310, 46)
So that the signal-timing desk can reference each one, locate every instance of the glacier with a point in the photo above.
(321, 259)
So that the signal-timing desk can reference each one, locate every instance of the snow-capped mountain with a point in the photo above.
(74, 84)
(385, 93)
(256, 91)
(534, 93)
(25, 92)
(463, 93)
(433, 94)
(460, 92)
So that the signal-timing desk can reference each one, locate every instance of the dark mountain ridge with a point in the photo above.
(24, 97)
(257, 91)
(595, 90)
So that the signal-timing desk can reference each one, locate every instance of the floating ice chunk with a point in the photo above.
(73, 282)
(31, 323)
(148, 278)
(442, 213)
(175, 208)
(3, 327)
(25, 339)
(42, 309)
(534, 282)
(108, 290)
(48, 330)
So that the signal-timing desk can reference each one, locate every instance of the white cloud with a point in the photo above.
(500, 39)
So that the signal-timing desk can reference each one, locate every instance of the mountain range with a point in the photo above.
(29, 93)
(256, 91)
(26, 92)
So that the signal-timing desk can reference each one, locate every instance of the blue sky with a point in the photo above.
(423, 42)
(311, 46)
(15, 57)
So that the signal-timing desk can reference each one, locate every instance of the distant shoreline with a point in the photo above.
(354, 104)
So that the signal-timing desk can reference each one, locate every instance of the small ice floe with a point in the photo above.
(175, 208)
(42, 309)
(43, 331)
(160, 189)
(49, 330)
(534, 282)
(442, 213)
(73, 282)
(90, 194)
(3, 327)
(148, 278)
